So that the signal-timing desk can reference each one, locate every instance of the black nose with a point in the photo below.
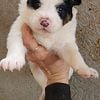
(44, 23)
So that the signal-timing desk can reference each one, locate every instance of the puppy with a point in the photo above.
(54, 24)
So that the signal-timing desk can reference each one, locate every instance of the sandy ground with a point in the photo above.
(21, 85)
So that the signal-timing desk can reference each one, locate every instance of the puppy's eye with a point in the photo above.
(60, 10)
(35, 4)
(64, 11)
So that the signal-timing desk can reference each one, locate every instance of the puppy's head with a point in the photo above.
(47, 15)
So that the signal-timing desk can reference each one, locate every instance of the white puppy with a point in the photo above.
(54, 24)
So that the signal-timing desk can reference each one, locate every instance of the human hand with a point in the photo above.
(54, 67)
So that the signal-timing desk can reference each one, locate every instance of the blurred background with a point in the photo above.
(22, 86)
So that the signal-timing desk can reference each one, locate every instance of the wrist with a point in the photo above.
(59, 79)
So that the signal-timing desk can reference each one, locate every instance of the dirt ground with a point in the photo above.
(22, 86)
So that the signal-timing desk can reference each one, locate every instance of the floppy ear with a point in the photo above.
(75, 2)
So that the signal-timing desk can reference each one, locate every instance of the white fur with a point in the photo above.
(60, 39)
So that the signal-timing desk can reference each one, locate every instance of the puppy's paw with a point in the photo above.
(88, 72)
(12, 62)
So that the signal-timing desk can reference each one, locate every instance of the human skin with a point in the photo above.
(54, 67)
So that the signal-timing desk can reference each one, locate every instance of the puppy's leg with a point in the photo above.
(15, 58)
(72, 56)
(40, 78)
(70, 73)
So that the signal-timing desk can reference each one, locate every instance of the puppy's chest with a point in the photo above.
(51, 42)
(45, 40)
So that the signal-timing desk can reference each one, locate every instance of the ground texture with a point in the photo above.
(22, 86)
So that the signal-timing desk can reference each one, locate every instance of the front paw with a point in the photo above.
(88, 72)
(12, 62)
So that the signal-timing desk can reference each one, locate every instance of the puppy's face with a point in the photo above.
(47, 15)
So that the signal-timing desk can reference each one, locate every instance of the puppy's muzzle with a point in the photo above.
(45, 22)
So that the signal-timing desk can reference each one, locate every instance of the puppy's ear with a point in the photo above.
(75, 2)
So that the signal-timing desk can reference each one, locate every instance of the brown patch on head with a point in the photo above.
(67, 19)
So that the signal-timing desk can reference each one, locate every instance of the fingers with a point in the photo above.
(36, 56)
(30, 56)
(33, 58)
(31, 44)
(28, 39)
(26, 28)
